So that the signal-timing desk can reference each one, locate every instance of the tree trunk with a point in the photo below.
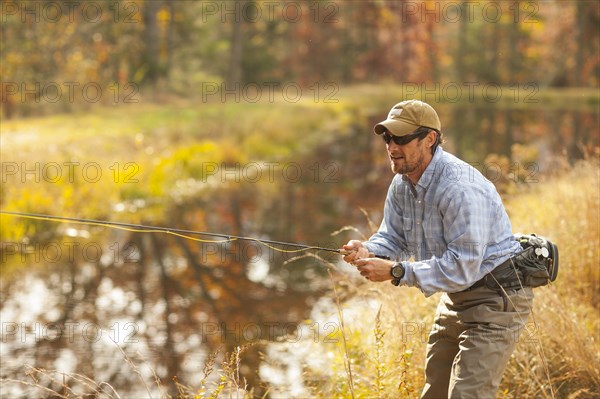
(579, 30)
(235, 62)
(151, 53)
(462, 44)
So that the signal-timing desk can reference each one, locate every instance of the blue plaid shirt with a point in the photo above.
(452, 223)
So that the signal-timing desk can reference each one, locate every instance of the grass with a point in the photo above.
(220, 379)
(566, 209)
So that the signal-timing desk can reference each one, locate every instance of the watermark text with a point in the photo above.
(69, 171)
(70, 251)
(70, 92)
(290, 92)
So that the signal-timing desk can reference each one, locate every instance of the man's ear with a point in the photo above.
(431, 136)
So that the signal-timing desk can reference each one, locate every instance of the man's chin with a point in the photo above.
(397, 169)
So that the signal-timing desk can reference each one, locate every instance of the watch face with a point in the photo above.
(397, 271)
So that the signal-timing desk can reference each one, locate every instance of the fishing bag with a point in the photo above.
(538, 261)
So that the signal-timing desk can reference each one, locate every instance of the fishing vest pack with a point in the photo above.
(538, 261)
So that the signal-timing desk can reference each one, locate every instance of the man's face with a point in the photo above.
(412, 158)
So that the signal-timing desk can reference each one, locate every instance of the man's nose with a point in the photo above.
(392, 145)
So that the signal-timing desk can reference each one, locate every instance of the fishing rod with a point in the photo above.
(173, 231)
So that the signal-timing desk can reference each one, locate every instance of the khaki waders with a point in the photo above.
(472, 338)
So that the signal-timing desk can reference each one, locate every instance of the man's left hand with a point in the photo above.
(374, 269)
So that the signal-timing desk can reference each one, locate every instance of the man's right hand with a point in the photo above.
(357, 251)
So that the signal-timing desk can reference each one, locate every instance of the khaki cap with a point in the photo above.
(406, 116)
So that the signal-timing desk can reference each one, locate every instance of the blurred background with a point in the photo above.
(254, 118)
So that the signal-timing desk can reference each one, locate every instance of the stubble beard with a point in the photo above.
(407, 168)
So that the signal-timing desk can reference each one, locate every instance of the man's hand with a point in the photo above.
(371, 268)
(357, 251)
(374, 269)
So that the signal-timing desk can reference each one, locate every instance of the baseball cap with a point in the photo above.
(406, 116)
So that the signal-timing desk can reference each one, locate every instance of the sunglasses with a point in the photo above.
(401, 140)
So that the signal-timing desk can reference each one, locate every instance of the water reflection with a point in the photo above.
(477, 132)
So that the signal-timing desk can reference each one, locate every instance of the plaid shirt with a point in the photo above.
(452, 222)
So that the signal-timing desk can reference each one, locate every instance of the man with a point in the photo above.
(447, 216)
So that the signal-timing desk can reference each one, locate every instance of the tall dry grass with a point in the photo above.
(221, 378)
(566, 209)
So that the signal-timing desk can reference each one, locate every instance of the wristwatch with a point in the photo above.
(397, 273)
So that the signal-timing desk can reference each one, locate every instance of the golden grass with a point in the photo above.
(566, 209)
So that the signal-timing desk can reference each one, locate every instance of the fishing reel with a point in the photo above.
(538, 261)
